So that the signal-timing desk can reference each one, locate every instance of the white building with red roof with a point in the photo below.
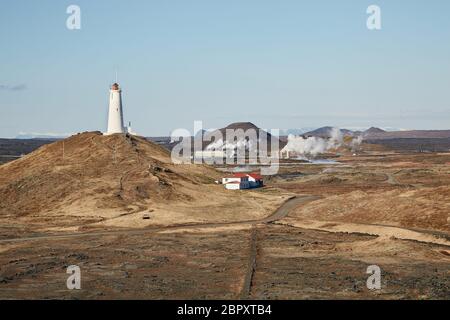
(240, 181)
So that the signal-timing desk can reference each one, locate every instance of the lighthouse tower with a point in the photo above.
(115, 114)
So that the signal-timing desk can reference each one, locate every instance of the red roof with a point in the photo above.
(244, 175)
(255, 176)
(240, 175)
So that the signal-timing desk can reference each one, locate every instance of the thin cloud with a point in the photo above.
(17, 87)
(45, 135)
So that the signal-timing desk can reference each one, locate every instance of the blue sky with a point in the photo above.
(280, 64)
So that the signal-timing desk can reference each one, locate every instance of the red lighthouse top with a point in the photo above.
(115, 86)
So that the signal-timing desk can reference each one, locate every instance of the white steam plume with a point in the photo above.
(313, 146)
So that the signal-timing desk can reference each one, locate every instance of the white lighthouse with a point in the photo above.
(115, 113)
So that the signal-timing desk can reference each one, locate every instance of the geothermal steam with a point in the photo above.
(313, 146)
(221, 145)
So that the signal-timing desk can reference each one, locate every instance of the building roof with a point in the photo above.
(240, 175)
(255, 176)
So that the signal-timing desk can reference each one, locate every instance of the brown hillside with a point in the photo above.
(90, 180)
(123, 169)
(427, 208)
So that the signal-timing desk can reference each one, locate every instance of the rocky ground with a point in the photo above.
(384, 209)
(290, 263)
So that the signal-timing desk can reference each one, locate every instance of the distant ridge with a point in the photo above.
(413, 134)
(374, 133)
(374, 130)
(325, 132)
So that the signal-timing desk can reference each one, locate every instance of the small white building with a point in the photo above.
(240, 181)
(237, 185)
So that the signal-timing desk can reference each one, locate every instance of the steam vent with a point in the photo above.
(115, 113)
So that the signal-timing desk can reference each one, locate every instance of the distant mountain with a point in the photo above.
(235, 126)
(241, 125)
(372, 135)
(374, 130)
(245, 126)
(325, 132)
(295, 132)
(375, 133)
(412, 134)
(209, 136)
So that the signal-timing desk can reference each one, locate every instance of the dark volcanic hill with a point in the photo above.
(209, 137)
(236, 126)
